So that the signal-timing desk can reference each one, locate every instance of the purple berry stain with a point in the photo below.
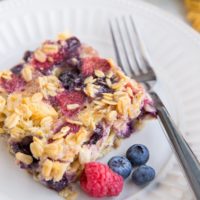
(24, 147)
(97, 134)
(128, 130)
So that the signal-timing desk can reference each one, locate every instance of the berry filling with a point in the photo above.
(90, 64)
(97, 134)
(16, 83)
(70, 102)
(67, 54)
(23, 146)
(60, 185)
(27, 55)
(127, 130)
(17, 69)
(103, 86)
(73, 127)
(71, 80)
(72, 45)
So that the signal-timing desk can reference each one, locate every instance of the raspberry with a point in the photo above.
(98, 180)
(42, 66)
(90, 64)
(16, 83)
(116, 185)
(53, 59)
(66, 53)
(70, 97)
(59, 125)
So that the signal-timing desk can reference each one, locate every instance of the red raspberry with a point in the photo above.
(52, 59)
(14, 84)
(70, 97)
(59, 125)
(90, 64)
(58, 57)
(116, 185)
(42, 66)
(98, 180)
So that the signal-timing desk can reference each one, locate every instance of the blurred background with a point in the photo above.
(175, 7)
(186, 10)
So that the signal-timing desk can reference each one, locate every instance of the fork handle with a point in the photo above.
(186, 157)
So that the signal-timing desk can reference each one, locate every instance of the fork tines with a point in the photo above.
(129, 48)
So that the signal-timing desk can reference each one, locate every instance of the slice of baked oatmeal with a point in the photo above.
(63, 106)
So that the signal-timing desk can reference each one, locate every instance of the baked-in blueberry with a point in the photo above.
(143, 175)
(23, 146)
(138, 154)
(17, 69)
(27, 55)
(72, 44)
(60, 185)
(127, 130)
(97, 134)
(71, 79)
(103, 87)
(120, 165)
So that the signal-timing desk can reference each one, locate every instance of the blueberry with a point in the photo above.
(32, 167)
(127, 130)
(120, 165)
(71, 79)
(27, 55)
(143, 175)
(72, 44)
(103, 87)
(17, 69)
(138, 154)
(97, 134)
(23, 146)
(46, 72)
(60, 185)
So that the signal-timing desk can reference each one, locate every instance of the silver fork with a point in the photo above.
(136, 58)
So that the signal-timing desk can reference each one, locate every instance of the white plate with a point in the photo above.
(174, 48)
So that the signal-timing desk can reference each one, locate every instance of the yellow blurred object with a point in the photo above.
(193, 15)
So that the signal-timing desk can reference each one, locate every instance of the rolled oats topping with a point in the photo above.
(40, 56)
(27, 72)
(64, 106)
